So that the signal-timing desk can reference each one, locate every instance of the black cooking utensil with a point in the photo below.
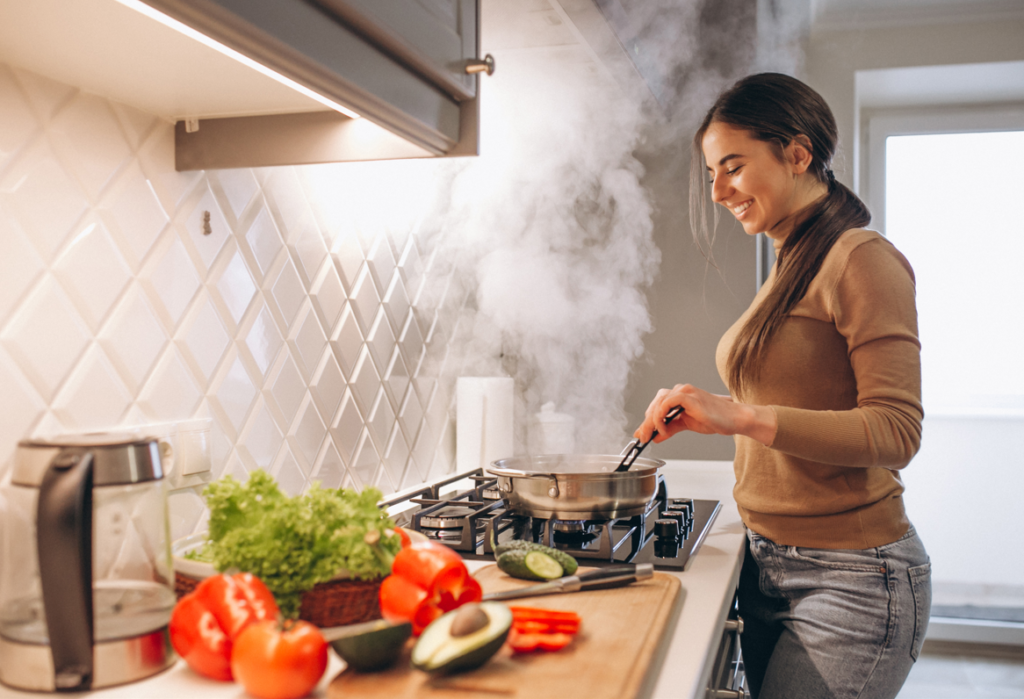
(599, 579)
(634, 449)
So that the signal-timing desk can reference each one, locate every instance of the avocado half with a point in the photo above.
(370, 646)
(440, 651)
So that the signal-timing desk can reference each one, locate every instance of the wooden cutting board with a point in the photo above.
(621, 633)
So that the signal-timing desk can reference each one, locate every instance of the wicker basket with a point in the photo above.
(333, 603)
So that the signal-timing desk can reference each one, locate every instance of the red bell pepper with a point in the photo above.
(427, 579)
(205, 622)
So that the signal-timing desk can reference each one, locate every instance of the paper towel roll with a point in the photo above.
(483, 422)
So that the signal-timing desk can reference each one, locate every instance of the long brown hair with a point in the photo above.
(776, 108)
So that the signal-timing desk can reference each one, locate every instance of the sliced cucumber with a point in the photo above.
(568, 563)
(530, 565)
(542, 565)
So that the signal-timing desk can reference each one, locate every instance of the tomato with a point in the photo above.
(206, 621)
(427, 579)
(279, 660)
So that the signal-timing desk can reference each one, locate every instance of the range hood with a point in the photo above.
(325, 80)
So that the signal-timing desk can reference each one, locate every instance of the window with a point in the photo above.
(947, 188)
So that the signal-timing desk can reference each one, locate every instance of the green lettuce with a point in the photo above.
(292, 543)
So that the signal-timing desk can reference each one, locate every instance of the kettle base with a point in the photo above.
(30, 666)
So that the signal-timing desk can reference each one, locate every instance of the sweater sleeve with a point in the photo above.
(873, 307)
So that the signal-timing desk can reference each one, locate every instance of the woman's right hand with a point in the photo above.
(705, 413)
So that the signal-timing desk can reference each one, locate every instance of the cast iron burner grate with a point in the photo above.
(467, 519)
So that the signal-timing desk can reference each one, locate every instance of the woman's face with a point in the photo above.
(763, 192)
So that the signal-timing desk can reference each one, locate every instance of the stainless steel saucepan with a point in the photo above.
(576, 486)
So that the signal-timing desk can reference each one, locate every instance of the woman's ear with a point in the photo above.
(798, 154)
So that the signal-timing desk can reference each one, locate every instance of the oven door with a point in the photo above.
(727, 680)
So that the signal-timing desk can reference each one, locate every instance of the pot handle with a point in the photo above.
(64, 541)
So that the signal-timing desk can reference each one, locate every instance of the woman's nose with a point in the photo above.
(719, 190)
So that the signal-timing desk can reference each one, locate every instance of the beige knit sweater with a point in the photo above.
(843, 374)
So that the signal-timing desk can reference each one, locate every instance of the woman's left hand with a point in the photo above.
(706, 413)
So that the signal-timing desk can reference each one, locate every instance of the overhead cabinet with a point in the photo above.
(409, 70)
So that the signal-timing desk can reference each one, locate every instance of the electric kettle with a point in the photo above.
(86, 584)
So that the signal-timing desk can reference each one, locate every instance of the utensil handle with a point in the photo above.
(634, 449)
(615, 575)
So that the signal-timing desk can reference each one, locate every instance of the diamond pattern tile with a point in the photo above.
(288, 292)
(15, 115)
(206, 244)
(303, 340)
(94, 398)
(132, 212)
(262, 440)
(93, 272)
(309, 436)
(44, 198)
(90, 141)
(133, 339)
(206, 340)
(239, 187)
(20, 265)
(45, 337)
(264, 241)
(174, 280)
(264, 340)
(310, 341)
(236, 288)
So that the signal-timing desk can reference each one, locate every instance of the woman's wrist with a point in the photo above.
(761, 424)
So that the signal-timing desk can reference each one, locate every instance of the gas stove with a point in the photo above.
(466, 512)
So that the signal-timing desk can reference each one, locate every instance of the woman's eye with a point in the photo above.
(733, 171)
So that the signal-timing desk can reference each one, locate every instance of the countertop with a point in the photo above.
(685, 660)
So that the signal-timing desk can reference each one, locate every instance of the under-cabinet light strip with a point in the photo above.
(188, 31)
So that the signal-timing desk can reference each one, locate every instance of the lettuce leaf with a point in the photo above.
(292, 543)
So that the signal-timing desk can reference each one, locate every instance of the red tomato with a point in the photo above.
(427, 579)
(206, 621)
(279, 661)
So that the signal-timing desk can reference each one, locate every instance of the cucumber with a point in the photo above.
(568, 563)
(530, 565)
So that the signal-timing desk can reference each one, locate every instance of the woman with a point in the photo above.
(824, 375)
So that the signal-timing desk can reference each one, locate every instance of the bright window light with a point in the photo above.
(951, 208)
(188, 31)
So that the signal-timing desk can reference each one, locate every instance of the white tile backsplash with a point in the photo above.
(291, 324)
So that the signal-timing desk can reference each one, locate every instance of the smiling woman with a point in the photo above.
(824, 375)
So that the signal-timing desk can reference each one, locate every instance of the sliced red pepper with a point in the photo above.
(427, 579)
(205, 622)
(529, 642)
(519, 612)
(546, 627)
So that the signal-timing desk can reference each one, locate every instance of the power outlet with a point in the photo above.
(184, 450)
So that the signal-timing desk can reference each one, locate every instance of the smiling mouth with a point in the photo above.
(742, 207)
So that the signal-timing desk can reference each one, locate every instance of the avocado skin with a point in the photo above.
(373, 646)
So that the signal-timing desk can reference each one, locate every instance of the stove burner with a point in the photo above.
(569, 526)
(446, 518)
(443, 534)
(490, 494)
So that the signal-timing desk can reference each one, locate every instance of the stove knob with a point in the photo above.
(666, 548)
(684, 506)
(666, 529)
(677, 516)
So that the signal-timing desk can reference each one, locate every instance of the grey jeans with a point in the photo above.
(824, 624)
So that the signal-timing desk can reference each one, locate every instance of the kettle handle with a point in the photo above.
(64, 541)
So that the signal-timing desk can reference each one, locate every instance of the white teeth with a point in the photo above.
(741, 208)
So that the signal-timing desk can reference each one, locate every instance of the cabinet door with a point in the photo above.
(432, 37)
(399, 63)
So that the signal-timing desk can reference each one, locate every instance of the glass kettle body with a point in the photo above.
(87, 583)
